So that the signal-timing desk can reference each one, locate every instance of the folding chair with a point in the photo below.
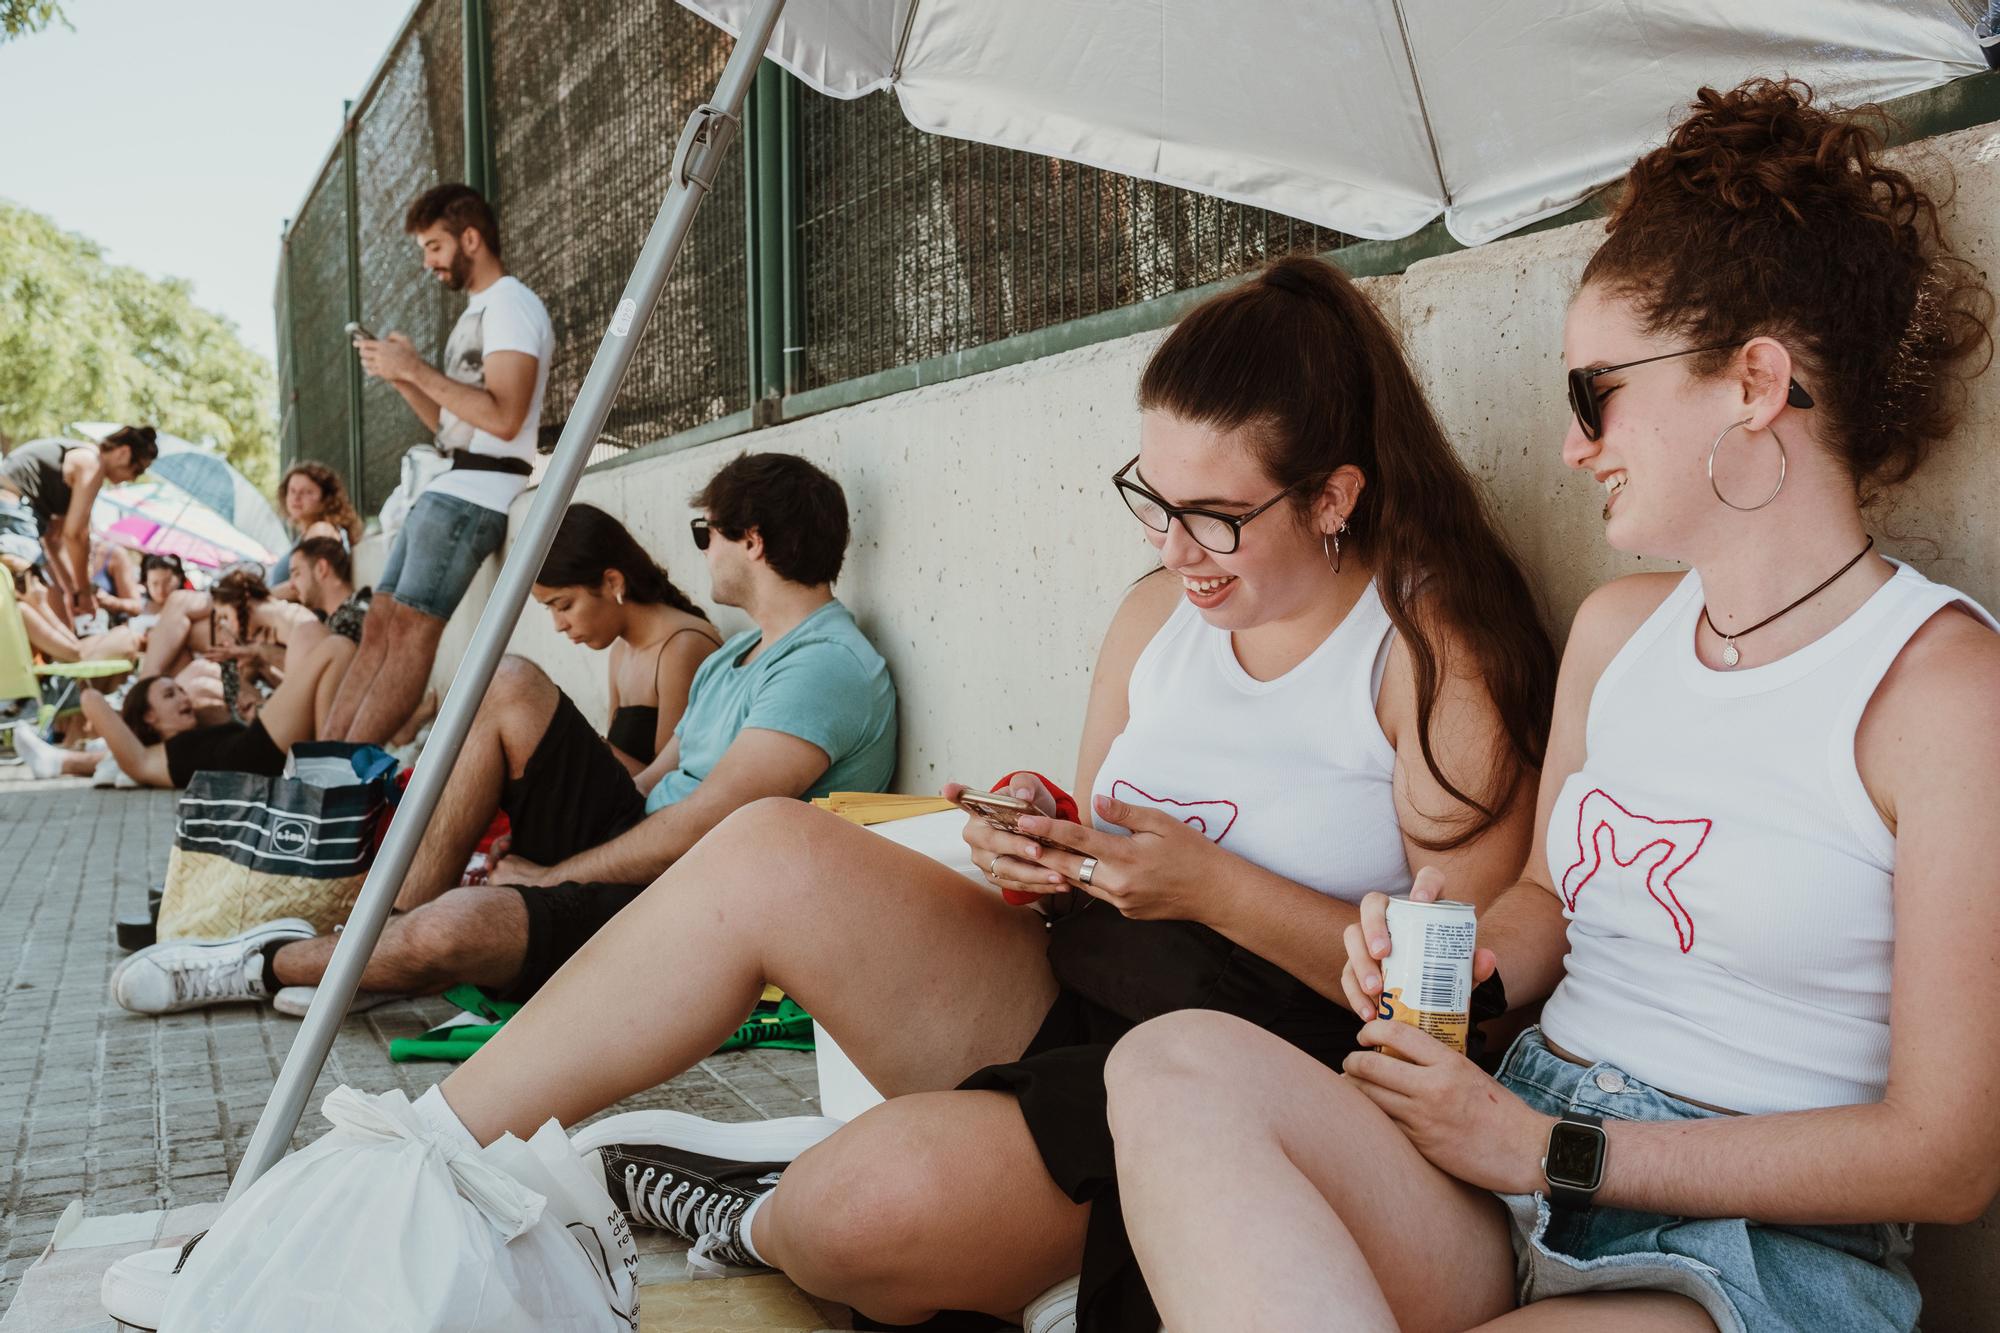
(54, 689)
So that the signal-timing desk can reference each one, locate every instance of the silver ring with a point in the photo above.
(993, 866)
(1086, 870)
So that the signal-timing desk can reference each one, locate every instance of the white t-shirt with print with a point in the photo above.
(505, 317)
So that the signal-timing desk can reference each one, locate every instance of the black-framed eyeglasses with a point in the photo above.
(700, 528)
(1586, 400)
(1212, 531)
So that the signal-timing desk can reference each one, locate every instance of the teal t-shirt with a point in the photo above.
(823, 682)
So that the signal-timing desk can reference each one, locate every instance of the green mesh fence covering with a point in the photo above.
(907, 246)
(587, 104)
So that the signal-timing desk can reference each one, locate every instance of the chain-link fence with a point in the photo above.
(893, 246)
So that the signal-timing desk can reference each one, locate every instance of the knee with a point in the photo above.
(434, 939)
(520, 692)
(1159, 1062)
(772, 821)
(870, 1200)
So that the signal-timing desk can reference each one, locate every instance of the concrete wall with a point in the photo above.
(989, 549)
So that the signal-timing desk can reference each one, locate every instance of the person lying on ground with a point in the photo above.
(798, 705)
(159, 740)
(1761, 904)
(1337, 677)
(315, 504)
(485, 405)
(46, 490)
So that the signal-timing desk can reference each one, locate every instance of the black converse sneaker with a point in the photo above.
(695, 1178)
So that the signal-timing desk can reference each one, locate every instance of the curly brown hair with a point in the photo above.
(1764, 214)
(334, 507)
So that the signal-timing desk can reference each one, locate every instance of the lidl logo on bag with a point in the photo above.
(290, 837)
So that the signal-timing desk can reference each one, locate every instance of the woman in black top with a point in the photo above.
(46, 490)
(605, 591)
(160, 742)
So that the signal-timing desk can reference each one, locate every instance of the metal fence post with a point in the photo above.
(791, 205)
(288, 356)
(478, 84)
(770, 227)
(350, 185)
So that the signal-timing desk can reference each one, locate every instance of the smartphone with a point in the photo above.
(1003, 810)
(359, 331)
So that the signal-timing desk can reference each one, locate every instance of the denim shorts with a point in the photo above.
(442, 544)
(20, 534)
(1751, 1277)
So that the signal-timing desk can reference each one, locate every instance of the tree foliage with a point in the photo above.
(83, 339)
(21, 17)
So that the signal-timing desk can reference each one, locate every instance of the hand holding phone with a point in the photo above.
(357, 331)
(1003, 810)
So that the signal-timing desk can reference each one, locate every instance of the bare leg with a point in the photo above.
(169, 638)
(406, 669)
(932, 1201)
(76, 764)
(291, 713)
(1261, 1190)
(477, 935)
(511, 721)
(920, 975)
(1626, 1311)
(367, 664)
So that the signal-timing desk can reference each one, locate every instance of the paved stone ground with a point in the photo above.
(132, 1113)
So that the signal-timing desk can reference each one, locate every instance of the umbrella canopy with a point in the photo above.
(1368, 116)
(155, 516)
(212, 482)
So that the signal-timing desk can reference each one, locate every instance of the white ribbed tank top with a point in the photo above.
(1292, 774)
(1726, 877)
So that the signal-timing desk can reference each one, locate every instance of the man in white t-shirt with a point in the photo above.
(485, 406)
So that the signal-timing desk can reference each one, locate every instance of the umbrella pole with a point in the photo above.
(702, 147)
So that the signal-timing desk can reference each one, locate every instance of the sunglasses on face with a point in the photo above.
(1212, 531)
(700, 528)
(1586, 400)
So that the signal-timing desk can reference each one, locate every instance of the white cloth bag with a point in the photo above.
(395, 1221)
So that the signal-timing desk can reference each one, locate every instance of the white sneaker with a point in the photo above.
(192, 974)
(43, 760)
(108, 774)
(134, 1290)
(293, 1001)
(1054, 1311)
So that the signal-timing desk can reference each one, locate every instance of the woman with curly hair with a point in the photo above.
(1761, 904)
(315, 504)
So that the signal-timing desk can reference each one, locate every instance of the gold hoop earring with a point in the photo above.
(1783, 463)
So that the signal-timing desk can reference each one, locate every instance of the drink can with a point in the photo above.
(1427, 977)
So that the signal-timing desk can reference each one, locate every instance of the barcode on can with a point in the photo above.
(1447, 947)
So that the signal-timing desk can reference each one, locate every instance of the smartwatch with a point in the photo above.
(1574, 1166)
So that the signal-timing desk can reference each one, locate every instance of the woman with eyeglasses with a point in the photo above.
(1762, 903)
(1338, 676)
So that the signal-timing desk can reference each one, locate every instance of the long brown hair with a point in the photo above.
(333, 506)
(1303, 360)
(589, 544)
(138, 703)
(240, 590)
(1763, 214)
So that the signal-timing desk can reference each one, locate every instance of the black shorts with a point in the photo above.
(573, 795)
(1059, 1082)
(560, 919)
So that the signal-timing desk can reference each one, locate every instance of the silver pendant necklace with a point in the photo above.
(1730, 655)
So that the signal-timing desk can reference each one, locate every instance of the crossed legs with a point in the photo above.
(936, 1200)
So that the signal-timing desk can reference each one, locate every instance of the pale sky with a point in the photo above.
(180, 134)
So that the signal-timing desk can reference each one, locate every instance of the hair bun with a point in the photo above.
(1764, 147)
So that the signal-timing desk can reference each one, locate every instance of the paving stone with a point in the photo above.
(132, 1113)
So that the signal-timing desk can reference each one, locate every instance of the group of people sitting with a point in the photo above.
(1726, 852)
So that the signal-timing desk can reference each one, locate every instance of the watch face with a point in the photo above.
(1576, 1155)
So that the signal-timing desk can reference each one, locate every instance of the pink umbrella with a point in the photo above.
(143, 534)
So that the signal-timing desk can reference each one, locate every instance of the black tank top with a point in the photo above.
(635, 728)
(229, 748)
(35, 470)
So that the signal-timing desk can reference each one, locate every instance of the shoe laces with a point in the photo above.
(705, 1217)
(210, 976)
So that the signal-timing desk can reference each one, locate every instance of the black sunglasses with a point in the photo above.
(699, 527)
(1586, 400)
(1220, 533)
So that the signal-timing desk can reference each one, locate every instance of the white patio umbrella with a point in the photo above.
(1368, 116)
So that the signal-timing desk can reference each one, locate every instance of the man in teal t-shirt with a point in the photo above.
(799, 705)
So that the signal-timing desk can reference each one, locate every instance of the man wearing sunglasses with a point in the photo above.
(799, 705)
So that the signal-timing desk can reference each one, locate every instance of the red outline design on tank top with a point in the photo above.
(1195, 822)
(1661, 890)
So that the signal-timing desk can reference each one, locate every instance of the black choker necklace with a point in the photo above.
(1730, 657)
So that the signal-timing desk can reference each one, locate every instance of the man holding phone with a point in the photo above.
(485, 408)
(798, 705)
